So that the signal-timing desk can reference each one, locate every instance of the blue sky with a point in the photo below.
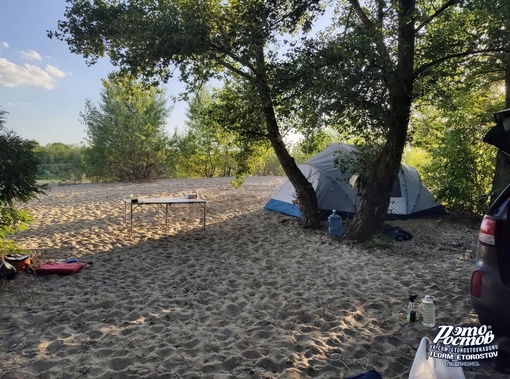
(42, 85)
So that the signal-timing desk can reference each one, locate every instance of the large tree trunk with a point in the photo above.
(306, 196)
(376, 183)
(502, 173)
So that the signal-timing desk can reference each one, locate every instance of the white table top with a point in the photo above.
(165, 200)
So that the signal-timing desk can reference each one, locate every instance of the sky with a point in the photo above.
(43, 86)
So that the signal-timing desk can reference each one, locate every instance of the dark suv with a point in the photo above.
(490, 281)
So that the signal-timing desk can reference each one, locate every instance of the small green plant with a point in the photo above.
(12, 221)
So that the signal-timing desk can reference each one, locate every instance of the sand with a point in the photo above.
(252, 296)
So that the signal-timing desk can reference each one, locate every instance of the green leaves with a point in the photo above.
(460, 166)
(126, 131)
(225, 135)
(18, 169)
(152, 38)
(12, 220)
(61, 162)
(18, 172)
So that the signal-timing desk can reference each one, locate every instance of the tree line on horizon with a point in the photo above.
(126, 142)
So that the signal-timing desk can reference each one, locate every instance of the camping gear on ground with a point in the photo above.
(21, 262)
(68, 267)
(372, 374)
(396, 233)
(426, 367)
(335, 226)
(330, 171)
(428, 311)
(7, 271)
(411, 313)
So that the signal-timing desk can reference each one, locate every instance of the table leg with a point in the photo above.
(166, 218)
(204, 215)
(131, 218)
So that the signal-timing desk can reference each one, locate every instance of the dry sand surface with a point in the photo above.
(252, 296)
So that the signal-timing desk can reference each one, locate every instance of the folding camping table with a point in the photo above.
(162, 203)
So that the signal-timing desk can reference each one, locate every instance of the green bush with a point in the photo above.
(18, 173)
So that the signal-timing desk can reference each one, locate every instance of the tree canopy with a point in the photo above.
(126, 131)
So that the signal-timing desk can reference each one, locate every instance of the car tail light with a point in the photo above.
(487, 231)
(476, 284)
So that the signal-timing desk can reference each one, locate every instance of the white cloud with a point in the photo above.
(15, 104)
(31, 55)
(5, 45)
(13, 75)
(54, 71)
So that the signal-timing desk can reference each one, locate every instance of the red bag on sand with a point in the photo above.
(60, 268)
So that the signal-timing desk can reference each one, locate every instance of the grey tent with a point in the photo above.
(331, 173)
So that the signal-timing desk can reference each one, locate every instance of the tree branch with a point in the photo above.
(379, 38)
(380, 11)
(361, 14)
(427, 66)
(235, 70)
(445, 6)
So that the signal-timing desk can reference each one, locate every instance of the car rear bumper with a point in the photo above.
(496, 317)
(490, 298)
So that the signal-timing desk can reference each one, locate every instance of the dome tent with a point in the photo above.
(330, 171)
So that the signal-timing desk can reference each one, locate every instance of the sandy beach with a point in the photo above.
(253, 295)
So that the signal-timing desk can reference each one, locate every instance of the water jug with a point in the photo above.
(428, 311)
(335, 226)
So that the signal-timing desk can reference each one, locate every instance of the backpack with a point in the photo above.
(21, 262)
(7, 271)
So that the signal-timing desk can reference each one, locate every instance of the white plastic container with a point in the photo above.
(428, 311)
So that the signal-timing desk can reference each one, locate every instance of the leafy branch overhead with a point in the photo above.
(199, 38)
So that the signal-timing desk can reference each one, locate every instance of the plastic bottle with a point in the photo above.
(428, 311)
(411, 313)
(335, 226)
